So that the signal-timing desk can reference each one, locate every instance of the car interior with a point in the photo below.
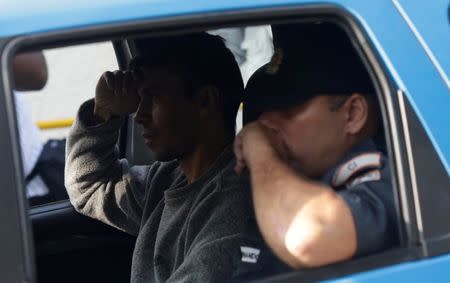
(70, 247)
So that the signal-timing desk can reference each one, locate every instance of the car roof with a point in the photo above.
(24, 16)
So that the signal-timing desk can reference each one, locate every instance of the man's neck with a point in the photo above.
(200, 160)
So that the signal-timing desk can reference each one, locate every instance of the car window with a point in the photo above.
(45, 115)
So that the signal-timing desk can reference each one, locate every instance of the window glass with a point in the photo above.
(46, 107)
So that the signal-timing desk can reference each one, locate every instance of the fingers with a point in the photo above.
(238, 151)
(237, 147)
(276, 143)
(116, 94)
(118, 82)
(240, 167)
(109, 79)
(137, 75)
(128, 82)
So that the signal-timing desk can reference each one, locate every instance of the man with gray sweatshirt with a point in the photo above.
(191, 213)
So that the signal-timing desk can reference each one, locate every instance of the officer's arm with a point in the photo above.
(305, 223)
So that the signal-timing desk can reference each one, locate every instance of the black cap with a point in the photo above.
(309, 60)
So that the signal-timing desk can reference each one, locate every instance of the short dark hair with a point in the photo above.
(207, 61)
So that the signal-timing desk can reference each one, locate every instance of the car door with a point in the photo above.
(16, 259)
(64, 241)
(68, 246)
(410, 43)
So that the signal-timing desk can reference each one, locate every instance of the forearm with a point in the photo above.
(98, 183)
(304, 222)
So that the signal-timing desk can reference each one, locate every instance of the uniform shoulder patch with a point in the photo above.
(374, 175)
(358, 163)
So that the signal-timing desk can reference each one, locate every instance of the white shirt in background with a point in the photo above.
(30, 144)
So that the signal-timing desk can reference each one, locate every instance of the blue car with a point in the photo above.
(405, 46)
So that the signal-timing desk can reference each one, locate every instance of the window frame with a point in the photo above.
(18, 264)
(427, 174)
(386, 88)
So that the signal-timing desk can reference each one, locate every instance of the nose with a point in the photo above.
(270, 119)
(140, 116)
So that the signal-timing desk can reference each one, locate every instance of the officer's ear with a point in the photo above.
(208, 100)
(356, 110)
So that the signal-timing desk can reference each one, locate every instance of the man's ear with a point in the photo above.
(357, 110)
(208, 100)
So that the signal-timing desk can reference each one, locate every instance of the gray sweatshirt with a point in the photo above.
(199, 232)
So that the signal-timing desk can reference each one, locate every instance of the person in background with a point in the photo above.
(251, 46)
(43, 163)
(30, 74)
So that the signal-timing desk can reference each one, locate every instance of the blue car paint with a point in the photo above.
(431, 24)
(429, 270)
(22, 16)
(434, 30)
(386, 23)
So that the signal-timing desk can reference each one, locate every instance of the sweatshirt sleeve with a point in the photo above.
(99, 184)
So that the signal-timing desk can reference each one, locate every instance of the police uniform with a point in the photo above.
(362, 178)
(320, 59)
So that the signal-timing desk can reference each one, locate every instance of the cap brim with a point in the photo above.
(266, 92)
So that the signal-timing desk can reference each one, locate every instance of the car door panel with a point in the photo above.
(67, 242)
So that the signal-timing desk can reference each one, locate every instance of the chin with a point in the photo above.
(163, 155)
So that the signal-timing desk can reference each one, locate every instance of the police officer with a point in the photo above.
(321, 185)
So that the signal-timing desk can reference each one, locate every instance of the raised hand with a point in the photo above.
(116, 94)
(255, 141)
